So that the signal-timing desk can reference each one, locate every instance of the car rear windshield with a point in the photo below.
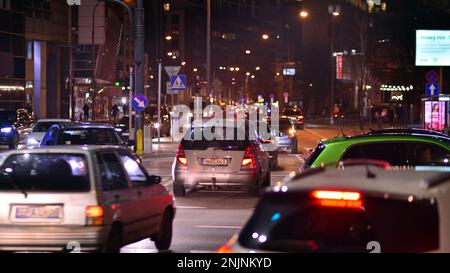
(220, 139)
(90, 136)
(292, 113)
(42, 127)
(293, 223)
(45, 173)
(315, 154)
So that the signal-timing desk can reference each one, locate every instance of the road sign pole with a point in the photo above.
(130, 107)
(139, 70)
(159, 100)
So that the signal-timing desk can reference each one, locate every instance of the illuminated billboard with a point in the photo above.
(433, 47)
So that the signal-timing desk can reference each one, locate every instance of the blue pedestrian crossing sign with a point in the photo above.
(432, 89)
(139, 102)
(178, 83)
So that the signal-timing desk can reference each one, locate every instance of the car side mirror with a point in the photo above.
(49, 143)
(154, 179)
(131, 143)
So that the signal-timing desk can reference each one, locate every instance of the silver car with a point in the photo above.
(94, 198)
(221, 163)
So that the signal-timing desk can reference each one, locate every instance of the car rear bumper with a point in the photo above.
(285, 142)
(6, 139)
(48, 238)
(192, 180)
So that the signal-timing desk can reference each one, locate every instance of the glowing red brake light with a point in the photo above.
(249, 158)
(224, 249)
(181, 157)
(341, 199)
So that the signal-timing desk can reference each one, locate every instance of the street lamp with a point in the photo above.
(265, 36)
(304, 14)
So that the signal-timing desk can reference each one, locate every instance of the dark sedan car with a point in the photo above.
(9, 134)
(77, 133)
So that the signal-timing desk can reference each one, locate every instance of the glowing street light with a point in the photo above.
(265, 36)
(258, 68)
(304, 14)
(248, 52)
(168, 37)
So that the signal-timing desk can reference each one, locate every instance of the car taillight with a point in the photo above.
(340, 199)
(181, 157)
(94, 215)
(249, 158)
(224, 249)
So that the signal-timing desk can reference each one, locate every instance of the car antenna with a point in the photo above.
(369, 173)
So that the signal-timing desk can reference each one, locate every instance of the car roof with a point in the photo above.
(356, 178)
(53, 120)
(387, 134)
(69, 149)
(85, 125)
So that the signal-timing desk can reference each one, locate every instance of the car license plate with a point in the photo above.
(38, 212)
(215, 162)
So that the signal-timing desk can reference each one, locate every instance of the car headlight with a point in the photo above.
(292, 132)
(32, 141)
(6, 130)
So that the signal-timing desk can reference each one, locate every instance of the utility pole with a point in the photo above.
(208, 49)
(139, 70)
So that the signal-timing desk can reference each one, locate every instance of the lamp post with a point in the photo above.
(208, 49)
(334, 11)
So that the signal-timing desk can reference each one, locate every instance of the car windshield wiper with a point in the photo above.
(12, 181)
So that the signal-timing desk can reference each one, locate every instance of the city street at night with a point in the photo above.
(181, 131)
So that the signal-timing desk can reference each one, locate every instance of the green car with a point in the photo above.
(398, 147)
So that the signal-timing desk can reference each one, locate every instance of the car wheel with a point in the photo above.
(179, 190)
(164, 237)
(267, 180)
(274, 164)
(254, 189)
(114, 242)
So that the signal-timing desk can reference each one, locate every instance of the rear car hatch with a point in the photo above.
(303, 222)
(215, 156)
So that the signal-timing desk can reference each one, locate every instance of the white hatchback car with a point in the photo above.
(99, 198)
(359, 209)
(39, 130)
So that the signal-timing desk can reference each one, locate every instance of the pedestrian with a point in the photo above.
(86, 111)
(125, 109)
(378, 118)
(115, 112)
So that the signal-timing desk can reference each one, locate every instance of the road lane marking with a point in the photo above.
(189, 207)
(202, 251)
(219, 227)
(314, 133)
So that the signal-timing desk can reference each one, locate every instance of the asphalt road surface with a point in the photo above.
(206, 220)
